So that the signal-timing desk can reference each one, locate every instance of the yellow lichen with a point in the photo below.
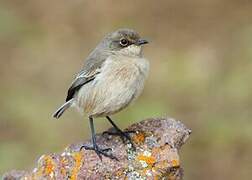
(78, 158)
(150, 160)
(49, 166)
(175, 163)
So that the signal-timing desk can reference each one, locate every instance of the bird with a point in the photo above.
(112, 77)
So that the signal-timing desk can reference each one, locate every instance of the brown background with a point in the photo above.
(201, 68)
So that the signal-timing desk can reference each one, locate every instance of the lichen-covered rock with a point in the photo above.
(156, 156)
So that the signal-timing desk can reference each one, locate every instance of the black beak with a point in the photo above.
(141, 42)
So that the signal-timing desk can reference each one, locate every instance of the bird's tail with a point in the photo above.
(62, 109)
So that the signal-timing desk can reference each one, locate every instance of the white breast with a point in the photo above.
(120, 82)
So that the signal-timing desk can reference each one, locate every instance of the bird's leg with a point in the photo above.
(99, 151)
(123, 135)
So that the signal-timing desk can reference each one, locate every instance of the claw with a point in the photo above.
(99, 151)
(124, 135)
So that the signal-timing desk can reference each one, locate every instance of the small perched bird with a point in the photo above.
(112, 77)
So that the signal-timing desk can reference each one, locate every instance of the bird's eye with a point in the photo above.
(124, 42)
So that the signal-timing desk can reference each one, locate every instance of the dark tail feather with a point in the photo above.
(61, 110)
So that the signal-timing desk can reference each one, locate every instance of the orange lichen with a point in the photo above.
(49, 166)
(78, 157)
(175, 163)
(150, 160)
(139, 138)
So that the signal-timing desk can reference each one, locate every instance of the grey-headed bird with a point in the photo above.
(112, 77)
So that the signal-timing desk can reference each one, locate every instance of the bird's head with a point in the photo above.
(125, 42)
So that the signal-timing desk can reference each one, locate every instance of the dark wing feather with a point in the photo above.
(89, 71)
(76, 85)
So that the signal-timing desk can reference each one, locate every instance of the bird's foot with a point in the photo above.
(124, 135)
(99, 151)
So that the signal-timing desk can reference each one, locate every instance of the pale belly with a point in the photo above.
(113, 89)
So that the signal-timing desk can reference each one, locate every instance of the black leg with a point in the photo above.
(123, 135)
(95, 147)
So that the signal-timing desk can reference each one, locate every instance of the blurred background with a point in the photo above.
(201, 68)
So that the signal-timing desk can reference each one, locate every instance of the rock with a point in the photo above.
(157, 142)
